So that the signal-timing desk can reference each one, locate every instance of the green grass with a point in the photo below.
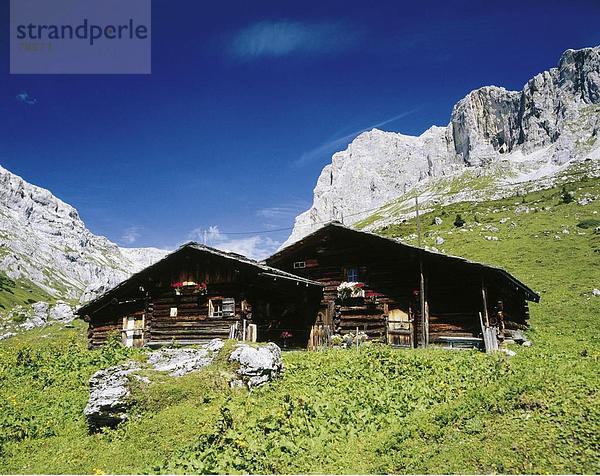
(19, 292)
(377, 410)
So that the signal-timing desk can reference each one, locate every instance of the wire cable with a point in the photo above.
(380, 207)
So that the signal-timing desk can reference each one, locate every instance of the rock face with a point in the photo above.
(553, 120)
(45, 242)
(258, 365)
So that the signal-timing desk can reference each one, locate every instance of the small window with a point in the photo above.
(398, 320)
(173, 312)
(299, 264)
(228, 307)
(352, 275)
(221, 307)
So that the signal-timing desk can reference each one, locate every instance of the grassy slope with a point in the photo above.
(19, 292)
(376, 410)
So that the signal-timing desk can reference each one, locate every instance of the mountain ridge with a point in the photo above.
(490, 129)
(43, 241)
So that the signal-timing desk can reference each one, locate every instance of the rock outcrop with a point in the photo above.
(42, 313)
(182, 361)
(110, 389)
(109, 396)
(553, 120)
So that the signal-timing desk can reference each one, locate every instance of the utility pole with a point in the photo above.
(418, 220)
(424, 320)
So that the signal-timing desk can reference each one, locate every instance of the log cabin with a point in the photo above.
(198, 293)
(404, 295)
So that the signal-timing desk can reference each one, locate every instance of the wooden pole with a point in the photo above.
(485, 304)
(422, 299)
(418, 220)
(424, 320)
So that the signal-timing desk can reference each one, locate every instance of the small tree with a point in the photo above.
(566, 196)
(458, 221)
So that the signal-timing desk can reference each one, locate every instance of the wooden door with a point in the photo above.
(399, 329)
(133, 330)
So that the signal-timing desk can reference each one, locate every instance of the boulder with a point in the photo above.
(109, 396)
(182, 361)
(61, 312)
(257, 365)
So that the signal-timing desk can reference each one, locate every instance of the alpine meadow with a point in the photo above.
(300, 237)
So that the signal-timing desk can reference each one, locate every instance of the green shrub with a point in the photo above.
(589, 223)
(458, 221)
(566, 196)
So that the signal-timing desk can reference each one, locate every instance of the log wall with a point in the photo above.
(453, 290)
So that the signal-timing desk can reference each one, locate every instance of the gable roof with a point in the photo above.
(530, 295)
(261, 268)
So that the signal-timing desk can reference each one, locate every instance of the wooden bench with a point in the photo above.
(460, 342)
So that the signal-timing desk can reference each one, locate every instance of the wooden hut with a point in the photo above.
(401, 294)
(198, 293)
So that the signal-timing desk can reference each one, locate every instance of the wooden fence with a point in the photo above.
(320, 336)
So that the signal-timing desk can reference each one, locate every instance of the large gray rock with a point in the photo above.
(109, 396)
(182, 361)
(41, 313)
(257, 365)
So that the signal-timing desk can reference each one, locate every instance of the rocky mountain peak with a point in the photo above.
(43, 241)
(553, 120)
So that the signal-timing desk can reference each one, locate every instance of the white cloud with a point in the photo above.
(334, 144)
(130, 235)
(282, 38)
(254, 246)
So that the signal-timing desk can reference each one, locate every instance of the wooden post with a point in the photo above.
(485, 305)
(424, 321)
(418, 220)
(484, 334)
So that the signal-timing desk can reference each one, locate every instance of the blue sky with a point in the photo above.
(248, 100)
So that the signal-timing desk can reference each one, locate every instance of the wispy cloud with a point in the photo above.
(334, 144)
(282, 38)
(25, 98)
(130, 235)
(281, 215)
(254, 246)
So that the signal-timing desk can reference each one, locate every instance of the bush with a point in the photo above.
(588, 223)
(458, 221)
(566, 196)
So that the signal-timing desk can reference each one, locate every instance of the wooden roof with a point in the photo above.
(261, 269)
(500, 273)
